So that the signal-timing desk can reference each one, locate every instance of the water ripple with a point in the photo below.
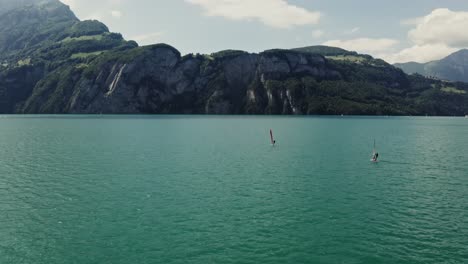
(212, 190)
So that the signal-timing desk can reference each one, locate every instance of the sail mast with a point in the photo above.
(374, 148)
(271, 137)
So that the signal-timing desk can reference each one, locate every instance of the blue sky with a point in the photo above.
(397, 31)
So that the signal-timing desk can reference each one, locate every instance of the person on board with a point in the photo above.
(376, 157)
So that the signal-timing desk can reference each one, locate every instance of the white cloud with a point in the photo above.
(116, 13)
(442, 26)
(417, 53)
(432, 37)
(150, 38)
(317, 33)
(364, 45)
(274, 13)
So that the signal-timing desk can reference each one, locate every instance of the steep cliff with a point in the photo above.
(156, 79)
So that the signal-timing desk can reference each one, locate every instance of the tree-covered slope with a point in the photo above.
(68, 66)
(40, 36)
(28, 25)
(325, 50)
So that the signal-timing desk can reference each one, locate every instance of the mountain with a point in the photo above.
(7, 5)
(326, 50)
(453, 68)
(50, 62)
(26, 25)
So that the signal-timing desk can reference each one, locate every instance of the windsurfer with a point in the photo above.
(375, 157)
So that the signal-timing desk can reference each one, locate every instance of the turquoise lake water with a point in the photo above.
(213, 190)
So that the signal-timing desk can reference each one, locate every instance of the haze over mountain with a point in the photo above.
(7, 5)
(454, 67)
(50, 62)
(26, 23)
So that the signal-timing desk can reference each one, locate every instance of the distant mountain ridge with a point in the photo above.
(52, 63)
(23, 26)
(453, 67)
(9, 5)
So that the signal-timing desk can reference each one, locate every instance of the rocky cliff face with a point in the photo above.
(159, 80)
